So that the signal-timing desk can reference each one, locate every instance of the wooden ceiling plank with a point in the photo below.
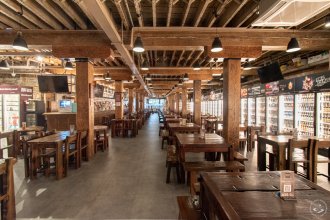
(88, 14)
(201, 9)
(219, 10)
(31, 5)
(245, 14)
(169, 13)
(188, 58)
(138, 9)
(172, 58)
(16, 17)
(122, 13)
(116, 62)
(180, 57)
(317, 17)
(57, 14)
(196, 58)
(9, 22)
(15, 6)
(231, 12)
(154, 13)
(72, 13)
(186, 12)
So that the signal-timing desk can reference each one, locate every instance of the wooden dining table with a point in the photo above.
(188, 127)
(253, 195)
(55, 140)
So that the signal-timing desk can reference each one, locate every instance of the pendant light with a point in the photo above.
(19, 43)
(68, 65)
(145, 66)
(327, 22)
(247, 65)
(185, 77)
(4, 65)
(148, 77)
(293, 45)
(180, 82)
(138, 45)
(107, 76)
(216, 45)
(196, 66)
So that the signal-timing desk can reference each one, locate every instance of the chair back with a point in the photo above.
(305, 145)
(83, 138)
(72, 139)
(7, 144)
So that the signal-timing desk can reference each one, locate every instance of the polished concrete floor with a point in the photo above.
(125, 182)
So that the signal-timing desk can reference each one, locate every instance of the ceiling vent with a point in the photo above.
(277, 13)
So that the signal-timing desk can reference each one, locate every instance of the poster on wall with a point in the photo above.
(314, 82)
(272, 88)
(98, 91)
(286, 86)
(244, 92)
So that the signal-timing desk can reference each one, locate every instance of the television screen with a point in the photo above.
(270, 73)
(46, 84)
(65, 103)
(61, 84)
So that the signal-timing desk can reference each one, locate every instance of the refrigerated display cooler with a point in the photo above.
(251, 111)
(323, 115)
(271, 113)
(286, 113)
(260, 111)
(34, 113)
(304, 113)
(244, 111)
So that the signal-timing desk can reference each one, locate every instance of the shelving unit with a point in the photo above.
(305, 114)
(323, 117)
(286, 111)
(272, 114)
(251, 111)
(244, 111)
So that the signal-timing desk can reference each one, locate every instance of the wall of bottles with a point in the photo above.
(261, 111)
(323, 117)
(305, 114)
(286, 120)
(214, 108)
(244, 111)
(251, 111)
(272, 113)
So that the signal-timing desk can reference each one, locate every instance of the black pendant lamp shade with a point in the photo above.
(293, 45)
(196, 66)
(19, 43)
(4, 65)
(138, 45)
(327, 22)
(216, 45)
(107, 76)
(185, 77)
(180, 82)
(145, 66)
(148, 77)
(68, 65)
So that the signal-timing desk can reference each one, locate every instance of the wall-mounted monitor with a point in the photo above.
(270, 73)
(56, 84)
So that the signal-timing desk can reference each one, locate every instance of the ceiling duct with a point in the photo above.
(274, 13)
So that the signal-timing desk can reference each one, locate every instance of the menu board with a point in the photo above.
(286, 86)
(103, 92)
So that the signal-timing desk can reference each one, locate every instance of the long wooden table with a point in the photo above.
(177, 127)
(54, 140)
(251, 195)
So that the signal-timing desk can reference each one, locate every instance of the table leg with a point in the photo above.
(261, 156)
(182, 160)
(281, 157)
(59, 161)
(34, 155)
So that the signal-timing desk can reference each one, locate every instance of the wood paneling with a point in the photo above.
(85, 102)
(231, 100)
(197, 101)
(60, 121)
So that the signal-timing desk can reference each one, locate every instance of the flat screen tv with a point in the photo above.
(270, 73)
(56, 84)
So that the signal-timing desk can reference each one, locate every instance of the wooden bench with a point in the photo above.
(207, 166)
(186, 209)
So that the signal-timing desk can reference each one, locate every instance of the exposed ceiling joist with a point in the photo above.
(137, 5)
(217, 13)
(201, 9)
(231, 12)
(189, 3)
(122, 13)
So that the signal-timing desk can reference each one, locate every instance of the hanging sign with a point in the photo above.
(286, 86)
(272, 88)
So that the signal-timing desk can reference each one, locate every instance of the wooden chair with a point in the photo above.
(101, 140)
(187, 210)
(300, 151)
(83, 144)
(127, 128)
(7, 196)
(252, 135)
(165, 137)
(320, 144)
(8, 144)
(172, 161)
(71, 150)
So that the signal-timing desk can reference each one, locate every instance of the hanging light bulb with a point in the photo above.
(68, 65)
(293, 45)
(19, 43)
(197, 66)
(138, 45)
(180, 82)
(107, 76)
(185, 77)
(4, 65)
(148, 77)
(247, 65)
(145, 66)
(216, 45)
(327, 22)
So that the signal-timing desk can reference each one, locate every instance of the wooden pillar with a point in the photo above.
(231, 100)
(85, 101)
(197, 101)
(119, 108)
(130, 101)
(184, 97)
(137, 101)
(177, 101)
(141, 102)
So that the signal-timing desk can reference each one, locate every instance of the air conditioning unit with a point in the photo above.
(277, 13)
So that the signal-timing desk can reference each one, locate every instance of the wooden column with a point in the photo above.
(85, 101)
(197, 101)
(130, 101)
(184, 97)
(119, 108)
(137, 101)
(231, 100)
(172, 103)
(177, 101)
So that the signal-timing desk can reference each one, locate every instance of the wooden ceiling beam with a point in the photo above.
(236, 52)
(122, 13)
(9, 22)
(154, 13)
(189, 3)
(59, 15)
(188, 58)
(196, 58)
(72, 13)
(16, 17)
(180, 58)
(245, 14)
(317, 17)
(88, 14)
(15, 6)
(172, 58)
(231, 13)
(217, 13)
(169, 13)
(137, 5)
(32, 6)
(82, 51)
(201, 10)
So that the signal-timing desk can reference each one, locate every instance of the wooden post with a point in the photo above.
(231, 100)
(85, 101)
(197, 101)
(130, 101)
(184, 97)
(137, 101)
(177, 101)
(119, 109)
